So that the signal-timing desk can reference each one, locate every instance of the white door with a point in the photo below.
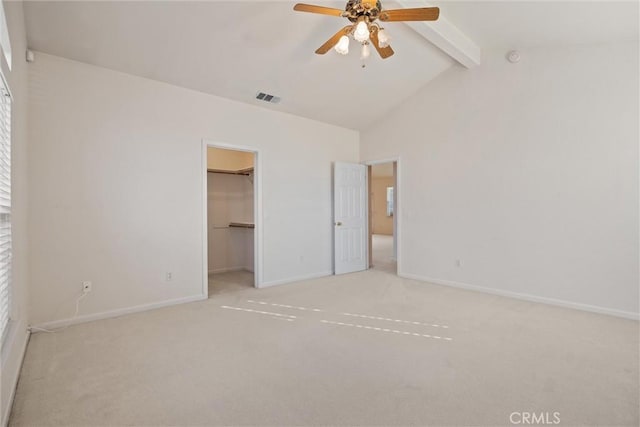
(350, 217)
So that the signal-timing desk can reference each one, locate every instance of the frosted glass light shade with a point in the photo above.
(361, 33)
(342, 47)
(383, 38)
(366, 51)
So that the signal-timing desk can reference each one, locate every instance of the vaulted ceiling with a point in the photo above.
(236, 49)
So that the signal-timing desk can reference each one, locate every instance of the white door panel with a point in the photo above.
(350, 217)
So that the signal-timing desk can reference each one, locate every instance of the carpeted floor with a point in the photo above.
(382, 253)
(231, 281)
(360, 349)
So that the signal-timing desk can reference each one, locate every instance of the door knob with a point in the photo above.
(338, 223)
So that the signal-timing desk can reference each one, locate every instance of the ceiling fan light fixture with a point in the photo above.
(342, 47)
(366, 51)
(361, 32)
(383, 38)
(363, 16)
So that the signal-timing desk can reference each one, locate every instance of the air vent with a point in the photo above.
(267, 98)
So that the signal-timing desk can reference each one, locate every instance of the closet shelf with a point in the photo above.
(241, 225)
(245, 172)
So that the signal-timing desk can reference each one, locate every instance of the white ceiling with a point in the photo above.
(528, 24)
(235, 49)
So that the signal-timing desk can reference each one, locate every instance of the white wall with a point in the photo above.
(380, 222)
(527, 173)
(230, 199)
(13, 348)
(116, 191)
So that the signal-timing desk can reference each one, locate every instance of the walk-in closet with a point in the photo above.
(230, 220)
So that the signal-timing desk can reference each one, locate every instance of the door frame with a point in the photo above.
(397, 208)
(257, 211)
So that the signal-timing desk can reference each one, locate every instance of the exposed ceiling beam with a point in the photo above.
(443, 34)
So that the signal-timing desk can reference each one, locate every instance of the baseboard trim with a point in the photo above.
(526, 297)
(229, 270)
(6, 410)
(295, 279)
(226, 270)
(118, 312)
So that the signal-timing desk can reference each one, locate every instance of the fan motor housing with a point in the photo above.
(356, 9)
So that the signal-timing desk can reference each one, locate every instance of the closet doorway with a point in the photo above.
(231, 239)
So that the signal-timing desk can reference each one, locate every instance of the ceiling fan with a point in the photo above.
(365, 30)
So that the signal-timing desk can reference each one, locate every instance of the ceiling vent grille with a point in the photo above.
(268, 98)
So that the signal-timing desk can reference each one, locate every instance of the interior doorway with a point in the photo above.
(230, 220)
(383, 225)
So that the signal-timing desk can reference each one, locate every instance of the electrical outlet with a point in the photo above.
(169, 276)
(86, 287)
(458, 263)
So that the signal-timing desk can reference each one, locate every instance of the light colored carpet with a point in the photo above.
(231, 281)
(382, 253)
(225, 361)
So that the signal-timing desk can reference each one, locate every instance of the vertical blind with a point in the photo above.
(5, 208)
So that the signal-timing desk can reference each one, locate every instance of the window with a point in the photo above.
(5, 43)
(389, 201)
(5, 207)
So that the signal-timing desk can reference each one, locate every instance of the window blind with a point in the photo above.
(5, 208)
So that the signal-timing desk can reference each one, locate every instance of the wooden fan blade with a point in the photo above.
(326, 47)
(300, 7)
(384, 52)
(418, 14)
